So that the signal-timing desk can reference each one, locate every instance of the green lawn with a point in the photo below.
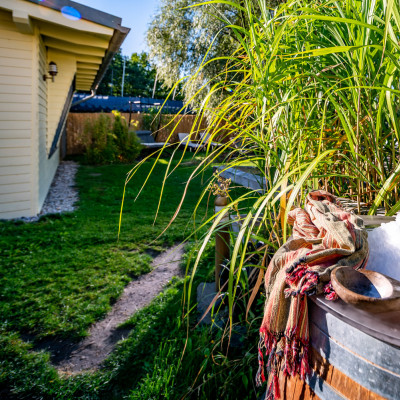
(62, 273)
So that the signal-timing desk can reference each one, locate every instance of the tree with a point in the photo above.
(139, 78)
(180, 36)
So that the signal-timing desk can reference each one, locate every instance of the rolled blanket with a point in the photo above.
(324, 237)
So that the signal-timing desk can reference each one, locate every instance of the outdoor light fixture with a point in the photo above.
(52, 71)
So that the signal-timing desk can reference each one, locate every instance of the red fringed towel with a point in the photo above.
(324, 237)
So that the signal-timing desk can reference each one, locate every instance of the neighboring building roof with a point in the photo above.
(90, 35)
(124, 104)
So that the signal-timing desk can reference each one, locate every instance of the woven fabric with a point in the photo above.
(324, 237)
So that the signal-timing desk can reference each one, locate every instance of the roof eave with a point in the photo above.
(98, 17)
(86, 13)
(115, 44)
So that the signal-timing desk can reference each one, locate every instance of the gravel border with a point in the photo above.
(62, 195)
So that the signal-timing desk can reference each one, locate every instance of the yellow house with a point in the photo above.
(39, 39)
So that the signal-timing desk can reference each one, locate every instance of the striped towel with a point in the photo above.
(324, 237)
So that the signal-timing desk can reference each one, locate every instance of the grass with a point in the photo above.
(62, 273)
(310, 97)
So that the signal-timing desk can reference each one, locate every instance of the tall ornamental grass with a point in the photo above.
(311, 100)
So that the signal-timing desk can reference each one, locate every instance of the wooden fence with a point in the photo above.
(76, 125)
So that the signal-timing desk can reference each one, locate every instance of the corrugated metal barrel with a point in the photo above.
(355, 355)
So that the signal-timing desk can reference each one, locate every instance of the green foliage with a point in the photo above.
(61, 274)
(312, 98)
(182, 36)
(309, 96)
(108, 142)
(140, 77)
(150, 119)
(148, 365)
(73, 261)
(155, 119)
(160, 381)
(98, 141)
(126, 140)
(194, 365)
(17, 363)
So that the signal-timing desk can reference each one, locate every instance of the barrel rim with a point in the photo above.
(384, 327)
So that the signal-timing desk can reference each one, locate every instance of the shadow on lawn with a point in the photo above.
(62, 349)
(59, 348)
(72, 357)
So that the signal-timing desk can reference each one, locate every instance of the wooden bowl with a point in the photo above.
(368, 290)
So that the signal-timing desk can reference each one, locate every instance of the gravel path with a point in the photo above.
(103, 335)
(62, 194)
(70, 357)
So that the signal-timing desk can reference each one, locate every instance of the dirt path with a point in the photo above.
(103, 335)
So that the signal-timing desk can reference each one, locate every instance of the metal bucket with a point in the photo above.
(354, 355)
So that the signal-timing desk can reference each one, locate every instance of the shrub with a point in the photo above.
(128, 143)
(99, 146)
(152, 121)
(149, 121)
(108, 142)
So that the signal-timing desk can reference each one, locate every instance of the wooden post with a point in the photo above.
(130, 113)
(222, 239)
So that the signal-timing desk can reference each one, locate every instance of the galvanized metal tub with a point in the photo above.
(355, 355)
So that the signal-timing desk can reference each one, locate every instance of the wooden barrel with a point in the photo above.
(354, 355)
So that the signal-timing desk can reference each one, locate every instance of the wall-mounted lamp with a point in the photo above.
(52, 71)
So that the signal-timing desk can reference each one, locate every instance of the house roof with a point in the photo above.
(89, 35)
(87, 13)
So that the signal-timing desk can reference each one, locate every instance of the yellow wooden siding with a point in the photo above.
(10, 107)
(14, 197)
(13, 134)
(15, 160)
(47, 168)
(12, 143)
(16, 151)
(15, 209)
(15, 170)
(14, 188)
(12, 62)
(31, 108)
(17, 84)
(16, 97)
(57, 91)
(15, 49)
(53, 106)
(15, 114)
(15, 120)
(16, 178)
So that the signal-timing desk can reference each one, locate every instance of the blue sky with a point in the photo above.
(135, 14)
